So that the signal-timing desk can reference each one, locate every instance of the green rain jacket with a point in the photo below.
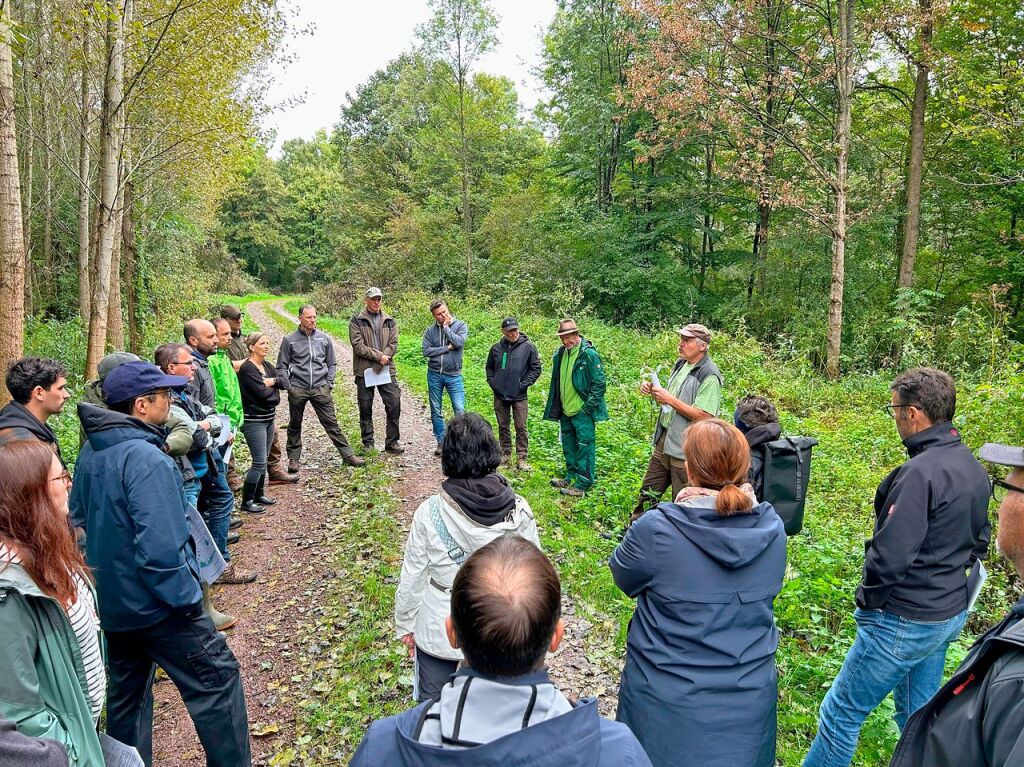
(44, 690)
(588, 380)
(225, 384)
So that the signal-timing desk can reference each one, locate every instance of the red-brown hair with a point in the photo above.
(718, 458)
(32, 525)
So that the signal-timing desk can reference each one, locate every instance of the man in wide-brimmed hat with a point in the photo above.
(576, 401)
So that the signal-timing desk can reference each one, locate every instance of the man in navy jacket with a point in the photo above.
(502, 708)
(128, 497)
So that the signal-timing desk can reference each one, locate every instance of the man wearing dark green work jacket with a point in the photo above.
(576, 401)
(693, 392)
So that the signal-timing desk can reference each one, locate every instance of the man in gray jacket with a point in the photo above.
(977, 717)
(442, 346)
(307, 360)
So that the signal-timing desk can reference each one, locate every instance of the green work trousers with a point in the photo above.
(579, 449)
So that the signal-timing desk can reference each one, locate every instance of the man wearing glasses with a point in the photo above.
(931, 525)
(978, 715)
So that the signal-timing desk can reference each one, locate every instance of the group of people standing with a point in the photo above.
(478, 604)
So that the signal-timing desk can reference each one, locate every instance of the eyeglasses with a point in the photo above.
(1001, 489)
(161, 393)
(891, 409)
(64, 476)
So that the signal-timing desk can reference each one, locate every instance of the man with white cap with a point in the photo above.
(576, 401)
(693, 393)
(977, 717)
(373, 335)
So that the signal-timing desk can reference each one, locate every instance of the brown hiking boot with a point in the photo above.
(279, 476)
(235, 482)
(575, 492)
(354, 460)
(233, 576)
(559, 482)
(522, 465)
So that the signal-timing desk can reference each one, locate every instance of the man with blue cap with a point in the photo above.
(128, 497)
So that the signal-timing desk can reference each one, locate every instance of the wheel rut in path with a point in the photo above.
(289, 548)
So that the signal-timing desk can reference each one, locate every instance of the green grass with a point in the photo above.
(858, 447)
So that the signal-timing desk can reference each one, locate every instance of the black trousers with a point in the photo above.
(197, 659)
(432, 673)
(391, 396)
(323, 406)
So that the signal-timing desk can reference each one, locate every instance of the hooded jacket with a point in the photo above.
(202, 383)
(128, 496)
(587, 378)
(227, 393)
(365, 351)
(423, 598)
(931, 523)
(700, 673)
(977, 717)
(513, 368)
(16, 422)
(483, 722)
(436, 338)
(44, 689)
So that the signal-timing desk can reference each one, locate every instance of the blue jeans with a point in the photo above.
(436, 385)
(889, 654)
(192, 488)
(216, 502)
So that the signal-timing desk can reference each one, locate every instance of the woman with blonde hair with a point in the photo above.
(261, 388)
(53, 683)
(699, 686)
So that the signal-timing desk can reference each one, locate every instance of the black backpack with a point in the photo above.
(787, 472)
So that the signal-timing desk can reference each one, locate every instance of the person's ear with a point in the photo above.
(449, 629)
(556, 638)
(38, 392)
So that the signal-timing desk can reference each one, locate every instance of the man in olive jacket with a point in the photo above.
(978, 716)
(373, 335)
(576, 401)
(513, 366)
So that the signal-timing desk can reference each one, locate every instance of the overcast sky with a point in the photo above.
(351, 39)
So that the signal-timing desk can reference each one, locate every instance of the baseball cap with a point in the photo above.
(695, 330)
(133, 379)
(1004, 455)
(509, 323)
(114, 360)
(373, 293)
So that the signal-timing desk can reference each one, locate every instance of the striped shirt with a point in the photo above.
(86, 624)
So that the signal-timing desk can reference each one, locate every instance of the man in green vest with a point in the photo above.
(693, 393)
(576, 401)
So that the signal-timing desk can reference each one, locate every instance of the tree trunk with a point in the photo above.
(467, 225)
(27, 187)
(115, 316)
(12, 243)
(110, 153)
(844, 99)
(48, 286)
(84, 290)
(915, 164)
(129, 256)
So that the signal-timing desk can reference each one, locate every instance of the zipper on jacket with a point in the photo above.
(309, 339)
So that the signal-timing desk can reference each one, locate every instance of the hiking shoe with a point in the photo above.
(293, 466)
(559, 482)
(522, 465)
(279, 476)
(236, 522)
(437, 450)
(235, 482)
(575, 492)
(394, 448)
(232, 576)
(354, 460)
(233, 538)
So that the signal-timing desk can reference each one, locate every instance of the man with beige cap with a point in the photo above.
(576, 401)
(693, 393)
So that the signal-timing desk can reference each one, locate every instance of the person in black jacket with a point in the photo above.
(758, 419)
(513, 366)
(261, 385)
(38, 388)
(931, 526)
(978, 715)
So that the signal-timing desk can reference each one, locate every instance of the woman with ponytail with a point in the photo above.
(699, 686)
(52, 683)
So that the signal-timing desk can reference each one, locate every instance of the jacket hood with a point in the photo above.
(767, 432)
(942, 433)
(15, 414)
(733, 541)
(472, 535)
(504, 342)
(200, 358)
(106, 428)
(13, 576)
(487, 717)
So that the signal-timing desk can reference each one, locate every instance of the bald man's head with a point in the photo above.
(506, 604)
(201, 335)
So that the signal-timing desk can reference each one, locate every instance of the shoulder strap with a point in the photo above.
(455, 552)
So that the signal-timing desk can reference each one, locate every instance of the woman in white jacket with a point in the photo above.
(475, 506)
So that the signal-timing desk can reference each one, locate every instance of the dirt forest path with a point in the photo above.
(290, 549)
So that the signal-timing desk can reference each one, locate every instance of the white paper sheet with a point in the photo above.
(211, 563)
(117, 754)
(975, 580)
(377, 379)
